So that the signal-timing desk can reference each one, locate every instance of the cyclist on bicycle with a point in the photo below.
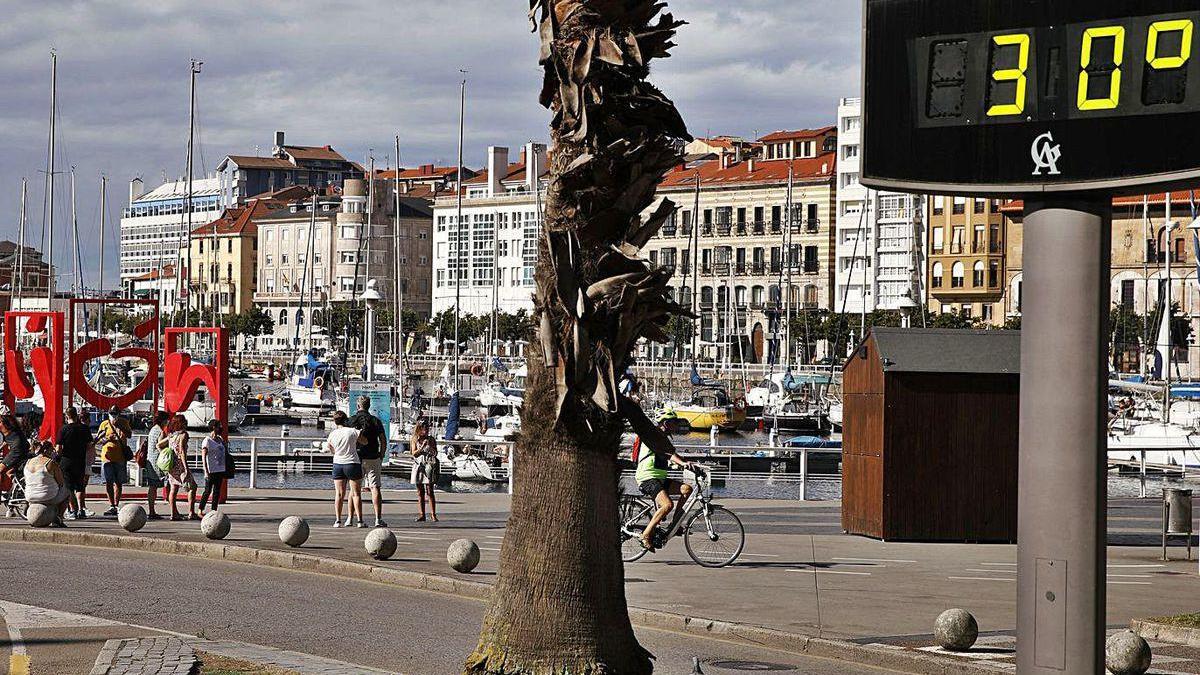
(652, 480)
(15, 447)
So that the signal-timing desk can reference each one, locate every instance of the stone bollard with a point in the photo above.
(215, 525)
(132, 517)
(40, 515)
(955, 630)
(293, 531)
(380, 543)
(463, 556)
(1126, 653)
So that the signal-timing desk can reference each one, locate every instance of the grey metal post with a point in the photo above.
(253, 463)
(1061, 502)
(804, 475)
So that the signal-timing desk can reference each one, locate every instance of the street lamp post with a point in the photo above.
(370, 298)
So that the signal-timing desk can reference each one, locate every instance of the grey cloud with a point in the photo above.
(355, 73)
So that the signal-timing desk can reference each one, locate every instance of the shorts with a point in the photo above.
(372, 472)
(115, 472)
(652, 487)
(347, 471)
(76, 476)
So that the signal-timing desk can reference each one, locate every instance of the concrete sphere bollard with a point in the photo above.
(293, 531)
(1126, 653)
(132, 517)
(380, 543)
(40, 515)
(215, 525)
(463, 555)
(956, 630)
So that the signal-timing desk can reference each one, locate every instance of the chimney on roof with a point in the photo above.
(278, 143)
(534, 155)
(136, 189)
(497, 167)
(737, 152)
(750, 165)
(426, 169)
(725, 157)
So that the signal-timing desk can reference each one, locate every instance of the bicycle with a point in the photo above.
(13, 501)
(712, 535)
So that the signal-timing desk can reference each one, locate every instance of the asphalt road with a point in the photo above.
(359, 622)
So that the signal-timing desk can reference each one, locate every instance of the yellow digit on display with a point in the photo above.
(1017, 74)
(1185, 50)
(1085, 60)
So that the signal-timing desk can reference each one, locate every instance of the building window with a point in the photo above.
(1127, 291)
(979, 205)
(938, 205)
(977, 274)
(956, 242)
(958, 275)
(850, 152)
(987, 312)
(938, 272)
(283, 317)
(994, 274)
(939, 239)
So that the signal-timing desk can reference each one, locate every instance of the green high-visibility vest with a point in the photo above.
(650, 466)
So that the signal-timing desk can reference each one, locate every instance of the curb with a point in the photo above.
(1161, 632)
(893, 658)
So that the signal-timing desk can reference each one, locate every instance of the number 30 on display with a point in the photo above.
(1101, 59)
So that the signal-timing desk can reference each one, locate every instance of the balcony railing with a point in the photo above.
(686, 230)
(741, 228)
(758, 228)
(669, 230)
(740, 268)
(706, 270)
(776, 227)
(758, 268)
(706, 229)
(724, 229)
(722, 269)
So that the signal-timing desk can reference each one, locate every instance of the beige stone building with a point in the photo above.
(737, 266)
(310, 259)
(967, 258)
(222, 261)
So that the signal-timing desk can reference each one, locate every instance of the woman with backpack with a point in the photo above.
(212, 448)
(174, 464)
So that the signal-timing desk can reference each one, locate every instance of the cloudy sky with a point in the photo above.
(353, 74)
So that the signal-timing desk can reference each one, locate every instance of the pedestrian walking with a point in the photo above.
(213, 451)
(347, 469)
(115, 455)
(179, 475)
(425, 468)
(372, 443)
(152, 476)
(75, 447)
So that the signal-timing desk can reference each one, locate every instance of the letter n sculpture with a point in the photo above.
(182, 377)
(43, 333)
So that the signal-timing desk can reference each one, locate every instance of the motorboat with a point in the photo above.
(709, 407)
(1163, 443)
(795, 413)
(312, 384)
(501, 427)
(775, 389)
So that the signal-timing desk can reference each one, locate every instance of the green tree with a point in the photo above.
(518, 326)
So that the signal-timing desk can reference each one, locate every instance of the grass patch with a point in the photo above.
(213, 664)
(1182, 620)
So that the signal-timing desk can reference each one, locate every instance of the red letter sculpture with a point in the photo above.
(46, 362)
(102, 347)
(182, 378)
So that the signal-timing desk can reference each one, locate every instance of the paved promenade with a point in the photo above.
(799, 574)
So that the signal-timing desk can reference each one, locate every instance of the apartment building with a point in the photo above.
(23, 271)
(880, 252)
(221, 279)
(426, 181)
(155, 223)
(728, 241)
(321, 168)
(311, 257)
(501, 223)
(967, 258)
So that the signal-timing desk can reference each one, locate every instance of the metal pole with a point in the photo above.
(1061, 503)
(50, 181)
(253, 463)
(458, 232)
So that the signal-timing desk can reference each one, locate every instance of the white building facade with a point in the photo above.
(501, 225)
(880, 235)
(155, 223)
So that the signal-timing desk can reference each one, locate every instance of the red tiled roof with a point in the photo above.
(426, 171)
(287, 193)
(238, 220)
(516, 172)
(796, 135)
(168, 272)
(765, 171)
(1179, 198)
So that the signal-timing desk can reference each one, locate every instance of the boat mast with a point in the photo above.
(18, 274)
(1169, 227)
(103, 228)
(458, 233)
(399, 294)
(74, 239)
(1145, 286)
(194, 70)
(787, 262)
(50, 179)
(694, 245)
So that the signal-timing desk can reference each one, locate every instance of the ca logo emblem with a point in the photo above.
(1046, 153)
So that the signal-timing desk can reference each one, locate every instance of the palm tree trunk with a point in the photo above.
(558, 606)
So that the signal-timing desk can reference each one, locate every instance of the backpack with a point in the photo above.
(166, 460)
(230, 466)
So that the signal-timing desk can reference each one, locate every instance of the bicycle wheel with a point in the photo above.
(715, 540)
(634, 517)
